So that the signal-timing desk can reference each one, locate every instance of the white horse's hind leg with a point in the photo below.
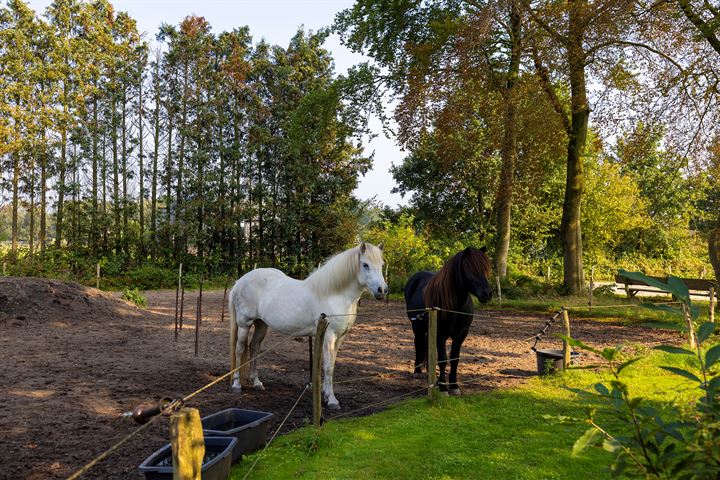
(255, 343)
(242, 334)
(330, 348)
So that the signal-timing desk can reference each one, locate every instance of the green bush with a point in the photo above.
(133, 295)
(149, 277)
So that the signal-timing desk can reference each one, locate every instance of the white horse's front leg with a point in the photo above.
(329, 354)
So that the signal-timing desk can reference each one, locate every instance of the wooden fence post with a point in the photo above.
(499, 289)
(317, 370)
(713, 302)
(4, 268)
(433, 389)
(566, 332)
(387, 279)
(97, 276)
(177, 294)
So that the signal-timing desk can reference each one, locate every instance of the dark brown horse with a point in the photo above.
(468, 272)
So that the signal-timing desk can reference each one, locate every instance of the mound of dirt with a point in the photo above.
(30, 300)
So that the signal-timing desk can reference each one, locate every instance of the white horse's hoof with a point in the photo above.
(236, 389)
(455, 392)
(257, 385)
(333, 406)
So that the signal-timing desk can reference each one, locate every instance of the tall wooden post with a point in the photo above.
(198, 317)
(317, 370)
(387, 279)
(499, 289)
(566, 332)
(177, 295)
(4, 268)
(713, 302)
(97, 276)
(433, 390)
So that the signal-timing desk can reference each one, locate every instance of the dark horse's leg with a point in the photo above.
(457, 341)
(420, 328)
(442, 363)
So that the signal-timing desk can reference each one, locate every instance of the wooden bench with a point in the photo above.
(697, 286)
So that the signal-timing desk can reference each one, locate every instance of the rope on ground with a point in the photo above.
(169, 408)
(276, 431)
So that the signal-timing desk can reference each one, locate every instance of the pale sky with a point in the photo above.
(276, 21)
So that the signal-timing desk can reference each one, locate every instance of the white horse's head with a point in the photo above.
(370, 271)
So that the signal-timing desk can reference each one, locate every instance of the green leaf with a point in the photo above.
(611, 445)
(712, 356)
(577, 343)
(679, 289)
(623, 365)
(587, 439)
(713, 385)
(682, 373)
(602, 389)
(671, 349)
(705, 330)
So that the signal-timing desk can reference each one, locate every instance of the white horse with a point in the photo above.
(267, 297)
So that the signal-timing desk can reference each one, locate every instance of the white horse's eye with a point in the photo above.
(366, 266)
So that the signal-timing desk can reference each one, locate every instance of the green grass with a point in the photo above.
(514, 434)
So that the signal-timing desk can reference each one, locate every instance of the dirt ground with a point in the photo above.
(75, 359)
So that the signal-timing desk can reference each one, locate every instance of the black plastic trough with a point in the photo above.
(549, 361)
(249, 427)
(216, 464)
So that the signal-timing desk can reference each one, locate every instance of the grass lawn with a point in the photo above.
(503, 434)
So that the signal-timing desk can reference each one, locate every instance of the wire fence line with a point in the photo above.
(169, 408)
(179, 402)
(277, 431)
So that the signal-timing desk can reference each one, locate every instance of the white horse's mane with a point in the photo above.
(335, 273)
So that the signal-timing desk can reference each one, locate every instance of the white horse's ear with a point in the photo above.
(381, 246)
(363, 248)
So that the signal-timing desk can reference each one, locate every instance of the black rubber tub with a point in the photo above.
(549, 361)
(249, 427)
(216, 464)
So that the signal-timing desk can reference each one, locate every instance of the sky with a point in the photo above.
(276, 21)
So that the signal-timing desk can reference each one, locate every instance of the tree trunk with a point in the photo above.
(15, 202)
(570, 230)
(156, 151)
(94, 216)
(123, 158)
(141, 166)
(59, 216)
(116, 175)
(503, 204)
(714, 250)
(43, 194)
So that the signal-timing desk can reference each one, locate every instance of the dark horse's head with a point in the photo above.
(469, 271)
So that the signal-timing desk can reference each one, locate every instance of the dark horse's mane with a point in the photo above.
(442, 289)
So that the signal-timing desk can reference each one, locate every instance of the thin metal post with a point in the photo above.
(713, 302)
(177, 295)
(222, 313)
(433, 390)
(317, 370)
(566, 345)
(592, 287)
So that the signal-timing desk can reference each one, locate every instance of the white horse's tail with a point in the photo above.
(244, 366)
